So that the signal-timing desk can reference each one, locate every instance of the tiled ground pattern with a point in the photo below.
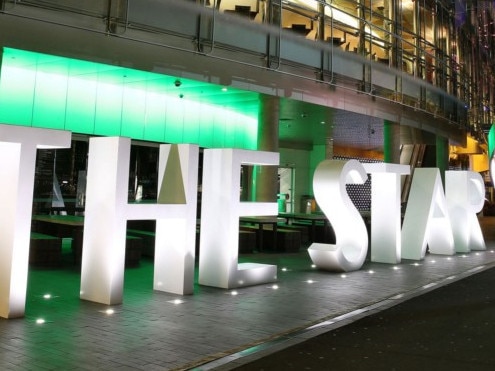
(151, 332)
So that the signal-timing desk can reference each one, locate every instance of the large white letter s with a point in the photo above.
(351, 246)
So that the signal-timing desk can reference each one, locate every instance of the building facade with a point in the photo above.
(309, 79)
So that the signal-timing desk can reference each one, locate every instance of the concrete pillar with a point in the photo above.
(265, 178)
(329, 149)
(391, 142)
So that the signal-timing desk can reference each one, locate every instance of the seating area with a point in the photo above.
(45, 250)
(133, 249)
(282, 234)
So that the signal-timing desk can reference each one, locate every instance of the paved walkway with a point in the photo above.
(213, 328)
(451, 328)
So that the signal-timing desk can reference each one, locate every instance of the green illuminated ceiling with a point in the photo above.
(91, 98)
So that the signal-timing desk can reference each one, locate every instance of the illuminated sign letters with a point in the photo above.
(426, 221)
(386, 211)
(351, 246)
(465, 194)
(107, 212)
(444, 222)
(17, 166)
(220, 212)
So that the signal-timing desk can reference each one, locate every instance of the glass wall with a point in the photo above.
(446, 43)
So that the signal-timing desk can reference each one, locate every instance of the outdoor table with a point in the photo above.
(58, 225)
(261, 221)
(313, 218)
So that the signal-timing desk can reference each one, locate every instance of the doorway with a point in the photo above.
(286, 189)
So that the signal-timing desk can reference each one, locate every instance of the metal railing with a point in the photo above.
(205, 30)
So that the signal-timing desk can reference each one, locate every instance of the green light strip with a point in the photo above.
(53, 92)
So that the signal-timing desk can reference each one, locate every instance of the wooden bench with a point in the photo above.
(148, 239)
(303, 229)
(45, 250)
(323, 233)
(288, 240)
(247, 241)
(133, 249)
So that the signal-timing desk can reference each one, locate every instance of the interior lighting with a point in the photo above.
(86, 97)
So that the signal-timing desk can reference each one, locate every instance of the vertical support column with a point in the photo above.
(418, 70)
(321, 22)
(442, 156)
(329, 149)
(274, 11)
(391, 142)
(265, 177)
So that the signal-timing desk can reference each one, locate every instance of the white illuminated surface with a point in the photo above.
(107, 212)
(465, 194)
(18, 146)
(386, 221)
(220, 212)
(426, 221)
(349, 252)
(175, 237)
(103, 255)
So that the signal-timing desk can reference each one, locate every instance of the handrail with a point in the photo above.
(199, 46)
(278, 40)
(111, 19)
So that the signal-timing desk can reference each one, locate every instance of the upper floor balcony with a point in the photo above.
(336, 55)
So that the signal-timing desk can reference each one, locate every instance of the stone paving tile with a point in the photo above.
(148, 332)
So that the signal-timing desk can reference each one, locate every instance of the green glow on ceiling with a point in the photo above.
(491, 141)
(53, 92)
